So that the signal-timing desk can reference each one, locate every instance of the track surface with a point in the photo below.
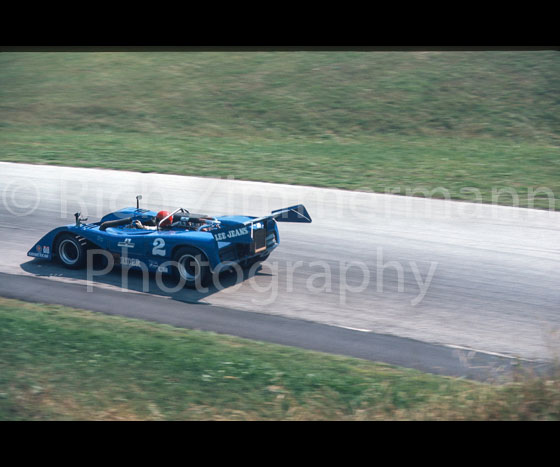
(446, 273)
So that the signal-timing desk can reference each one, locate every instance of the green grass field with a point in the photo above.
(58, 363)
(379, 121)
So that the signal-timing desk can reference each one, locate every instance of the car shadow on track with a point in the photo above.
(136, 281)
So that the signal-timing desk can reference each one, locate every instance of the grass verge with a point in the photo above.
(385, 122)
(473, 170)
(62, 363)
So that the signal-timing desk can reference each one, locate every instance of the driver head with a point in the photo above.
(162, 215)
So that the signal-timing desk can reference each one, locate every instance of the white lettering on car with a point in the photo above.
(231, 234)
(130, 261)
(159, 247)
(126, 244)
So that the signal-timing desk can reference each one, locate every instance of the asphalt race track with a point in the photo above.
(449, 287)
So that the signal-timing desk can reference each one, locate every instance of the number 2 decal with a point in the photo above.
(159, 247)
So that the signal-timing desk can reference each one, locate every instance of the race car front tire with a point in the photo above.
(71, 251)
(191, 266)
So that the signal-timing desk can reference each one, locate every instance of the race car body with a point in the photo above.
(192, 247)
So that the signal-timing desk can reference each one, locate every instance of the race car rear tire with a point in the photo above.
(191, 266)
(71, 251)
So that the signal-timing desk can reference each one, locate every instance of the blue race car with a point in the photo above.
(189, 246)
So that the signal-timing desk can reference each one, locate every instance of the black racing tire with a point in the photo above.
(71, 251)
(191, 266)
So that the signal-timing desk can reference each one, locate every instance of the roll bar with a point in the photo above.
(174, 212)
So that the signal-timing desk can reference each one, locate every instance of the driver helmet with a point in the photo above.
(162, 215)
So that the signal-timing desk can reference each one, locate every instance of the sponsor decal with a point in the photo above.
(40, 252)
(39, 255)
(231, 234)
(130, 261)
(154, 265)
(126, 244)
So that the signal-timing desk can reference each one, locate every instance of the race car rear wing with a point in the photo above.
(296, 213)
(243, 233)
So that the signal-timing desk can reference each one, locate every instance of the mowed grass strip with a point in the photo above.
(400, 122)
(435, 167)
(58, 363)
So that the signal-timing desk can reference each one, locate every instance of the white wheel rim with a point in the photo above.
(189, 267)
(68, 252)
